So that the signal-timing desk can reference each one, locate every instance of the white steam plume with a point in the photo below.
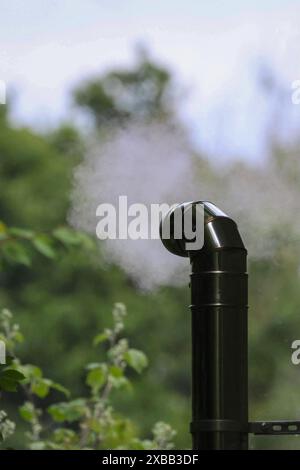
(148, 164)
(155, 164)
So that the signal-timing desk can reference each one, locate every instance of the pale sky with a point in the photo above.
(213, 48)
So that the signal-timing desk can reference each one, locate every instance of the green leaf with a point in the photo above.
(93, 365)
(40, 387)
(9, 360)
(43, 244)
(31, 371)
(13, 374)
(20, 232)
(9, 379)
(116, 371)
(27, 412)
(86, 241)
(96, 425)
(14, 252)
(96, 378)
(120, 382)
(37, 445)
(60, 388)
(67, 236)
(137, 444)
(18, 337)
(68, 411)
(136, 359)
(58, 413)
(63, 434)
(100, 338)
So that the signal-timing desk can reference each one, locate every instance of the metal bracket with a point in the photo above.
(274, 428)
(259, 428)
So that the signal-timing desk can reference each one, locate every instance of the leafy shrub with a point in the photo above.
(88, 422)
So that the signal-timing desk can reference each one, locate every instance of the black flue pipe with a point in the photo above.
(219, 300)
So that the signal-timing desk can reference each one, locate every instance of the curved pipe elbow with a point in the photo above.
(219, 231)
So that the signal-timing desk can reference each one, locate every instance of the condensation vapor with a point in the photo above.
(156, 164)
(148, 164)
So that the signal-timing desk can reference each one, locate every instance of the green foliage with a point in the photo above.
(88, 422)
(9, 379)
(17, 246)
(68, 411)
(120, 95)
(62, 302)
(7, 427)
(136, 359)
(10, 376)
(67, 141)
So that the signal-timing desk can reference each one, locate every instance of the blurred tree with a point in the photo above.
(67, 140)
(58, 303)
(120, 95)
(58, 306)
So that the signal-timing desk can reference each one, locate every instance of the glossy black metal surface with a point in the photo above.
(219, 334)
